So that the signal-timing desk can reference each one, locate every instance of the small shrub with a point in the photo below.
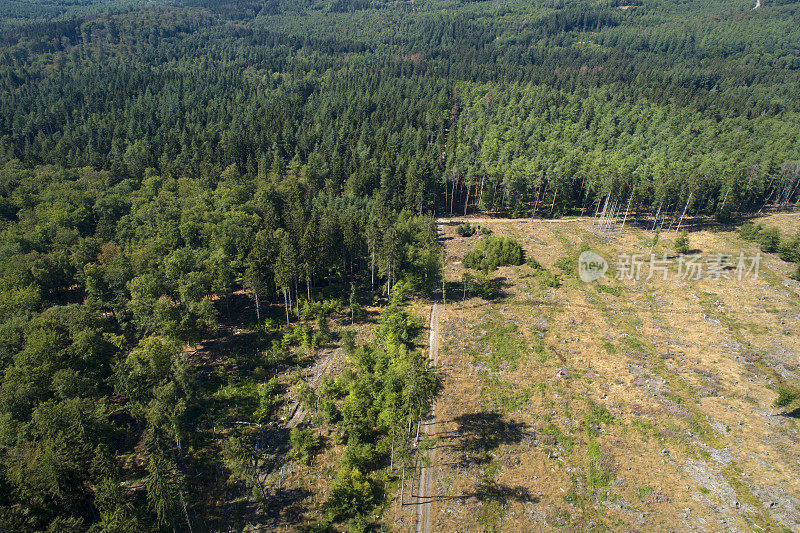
(358, 525)
(312, 310)
(270, 326)
(656, 236)
(566, 265)
(789, 251)
(330, 411)
(492, 252)
(357, 313)
(305, 445)
(769, 240)
(267, 401)
(332, 388)
(545, 276)
(682, 243)
(749, 231)
(359, 454)
(348, 341)
(465, 230)
(548, 279)
(397, 327)
(483, 286)
(305, 394)
(308, 310)
(785, 397)
(350, 496)
(534, 264)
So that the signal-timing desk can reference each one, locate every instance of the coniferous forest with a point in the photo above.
(174, 171)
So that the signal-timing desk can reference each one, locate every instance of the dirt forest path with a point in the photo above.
(425, 486)
(327, 360)
(479, 220)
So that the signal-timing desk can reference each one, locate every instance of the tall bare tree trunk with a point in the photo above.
(453, 196)
(536, 202)
(286, 305)
(626, 213)
(403, 485)
(185, 512)
(445, 195)
(480, 194)
(553, 205)
(680, 220)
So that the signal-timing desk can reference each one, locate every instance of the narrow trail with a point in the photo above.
(313, 377)
(424, 491)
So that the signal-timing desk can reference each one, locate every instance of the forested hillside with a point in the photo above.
(175, 173)
(435, 105)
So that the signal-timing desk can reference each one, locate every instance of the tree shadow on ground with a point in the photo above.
(483, 432)
(284, 507)
(493, 491)
(489, 288)
(240, 505)
(487, 491)
(794, 413)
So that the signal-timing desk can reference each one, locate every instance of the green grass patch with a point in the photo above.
(599, 471)
(504, 396)
(545, 276)
(502, 344)
(609, 347)
(761, 517)
(642, 492)
(565, 441)
(567, 265)
(634, 343)
(608, 289)
(596, 416)
(492, 497)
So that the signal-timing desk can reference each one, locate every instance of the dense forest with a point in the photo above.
(172, 171)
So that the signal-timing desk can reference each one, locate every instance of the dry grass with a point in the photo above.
(686, 370)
